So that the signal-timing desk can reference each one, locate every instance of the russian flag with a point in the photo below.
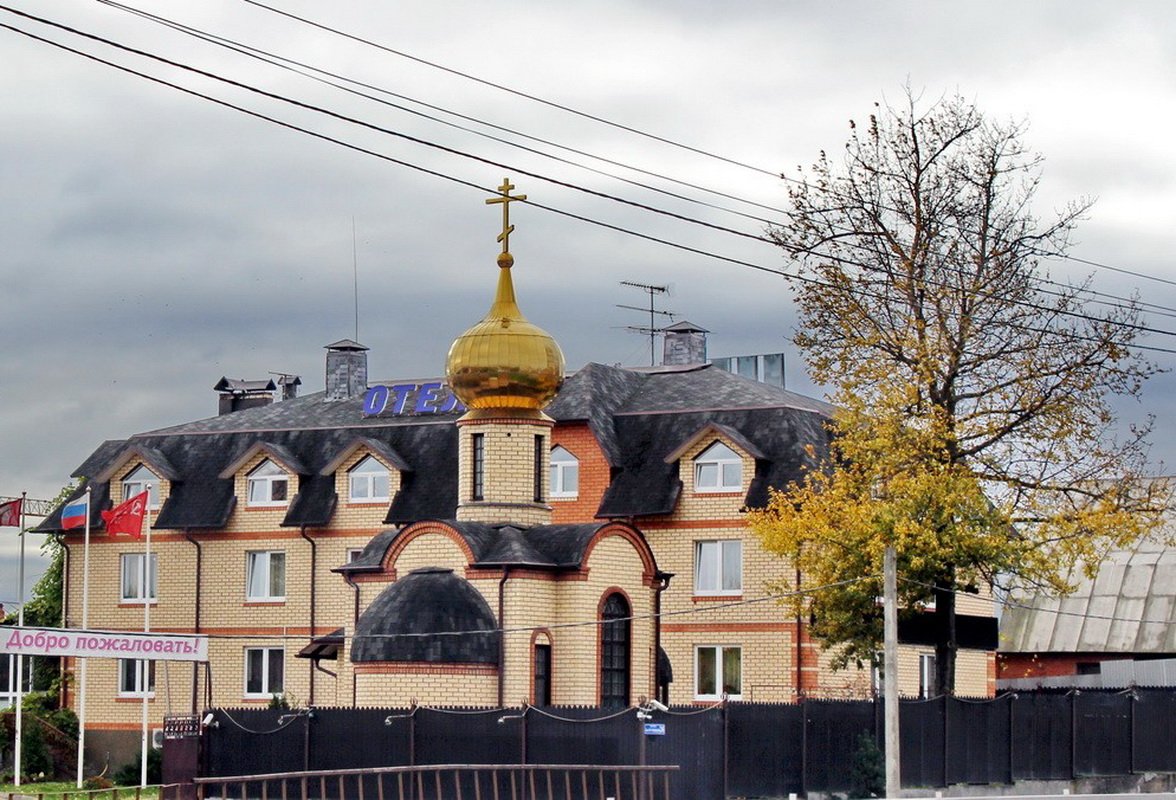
(74, 514)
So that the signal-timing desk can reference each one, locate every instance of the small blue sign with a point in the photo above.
(655, 729)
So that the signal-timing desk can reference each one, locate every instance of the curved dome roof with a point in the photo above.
(505, 363)
(416, 619)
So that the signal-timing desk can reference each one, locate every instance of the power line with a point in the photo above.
(619, 126)
(565, 184)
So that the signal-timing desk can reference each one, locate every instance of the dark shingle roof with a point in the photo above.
(638, 415)
(416, 617)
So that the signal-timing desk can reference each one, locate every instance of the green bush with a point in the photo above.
(35, 759)
(867, 772)
(129, 774)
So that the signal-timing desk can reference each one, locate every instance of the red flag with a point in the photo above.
(127, 517)
(10, 513)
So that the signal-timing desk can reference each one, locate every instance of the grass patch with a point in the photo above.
(57, 790)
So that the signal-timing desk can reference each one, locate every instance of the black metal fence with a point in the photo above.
(742, 749)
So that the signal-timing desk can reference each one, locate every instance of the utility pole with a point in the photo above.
(652, 330)
(890, 669)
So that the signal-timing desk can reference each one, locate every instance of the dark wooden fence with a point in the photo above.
(742, 749)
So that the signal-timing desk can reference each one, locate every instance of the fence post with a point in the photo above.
(1132, 698)
(946, 734)
(1073, 734)
(804, 747)
(1012, 727)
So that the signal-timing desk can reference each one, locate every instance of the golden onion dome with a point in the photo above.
(505, 365)
(505, 362)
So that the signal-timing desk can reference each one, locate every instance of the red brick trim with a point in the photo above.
(425, 668)
(629, 534)
(731, 627)
(415, 531)
(716, 598)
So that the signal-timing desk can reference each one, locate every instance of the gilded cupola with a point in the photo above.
(505, 365)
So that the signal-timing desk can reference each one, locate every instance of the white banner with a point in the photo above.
(103, 644)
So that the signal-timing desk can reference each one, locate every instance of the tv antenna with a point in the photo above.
(652, 330)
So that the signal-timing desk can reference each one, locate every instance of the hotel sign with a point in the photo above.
(411, 399)
(103, 644)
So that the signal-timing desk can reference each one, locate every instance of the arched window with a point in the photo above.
(718, 469)
(565, 473)
(369, 481)
(141, 480)
(541, 672)
(268, 485)
(614, 651)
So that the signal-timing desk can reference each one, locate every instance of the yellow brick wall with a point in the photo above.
(508, 476)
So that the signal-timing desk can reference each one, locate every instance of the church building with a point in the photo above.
(508, 534)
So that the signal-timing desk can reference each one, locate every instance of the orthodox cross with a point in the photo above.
(506, 199)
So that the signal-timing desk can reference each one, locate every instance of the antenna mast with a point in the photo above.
(652, 330)
(355, 275)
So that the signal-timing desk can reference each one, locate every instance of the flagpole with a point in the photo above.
(16, 760)
(85, 626)
(145, 665)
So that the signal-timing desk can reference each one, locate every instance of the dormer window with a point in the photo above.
(565, 473)
(718, 469)
(268, 485)
(141, 480)
(369, 481)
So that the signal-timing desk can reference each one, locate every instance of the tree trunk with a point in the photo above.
(945, 625)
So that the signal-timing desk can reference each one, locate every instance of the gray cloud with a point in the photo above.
(152, 242)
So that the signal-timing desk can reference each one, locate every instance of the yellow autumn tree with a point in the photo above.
(975, 430)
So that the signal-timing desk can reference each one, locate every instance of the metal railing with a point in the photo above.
(450, 782)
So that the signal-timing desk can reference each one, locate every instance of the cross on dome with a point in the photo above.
(506, 199)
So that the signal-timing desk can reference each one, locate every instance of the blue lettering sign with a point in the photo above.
(427, 397)
(411, 398)
(375, 401)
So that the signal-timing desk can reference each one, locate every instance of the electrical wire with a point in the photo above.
(283, 62)
(565, 184)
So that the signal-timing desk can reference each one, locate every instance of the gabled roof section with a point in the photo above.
(372, 557)
(275, 452)
(381, 450)
(314, 503)
(100, 459)
(150, 457)
(594, 394)
(646, 484)
(709, 431)
(205, 503)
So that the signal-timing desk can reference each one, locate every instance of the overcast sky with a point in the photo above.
(152, 241)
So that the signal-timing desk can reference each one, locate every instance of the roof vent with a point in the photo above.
(346, 370)
(238, 394)
(289, 385)
(685, 343)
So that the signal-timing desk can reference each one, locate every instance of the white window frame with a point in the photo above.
(713, 567)
(263, 561)
(727, 466)
(134, 667)
(140, 480)
(565, 469)
(717, 651)
(267, 688)
(133, 563)
(261, 482)
(354, 553)
(926, 674)
(366, 474)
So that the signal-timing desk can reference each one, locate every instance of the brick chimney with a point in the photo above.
(346, 370)
(238, 394)
(685, 343)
